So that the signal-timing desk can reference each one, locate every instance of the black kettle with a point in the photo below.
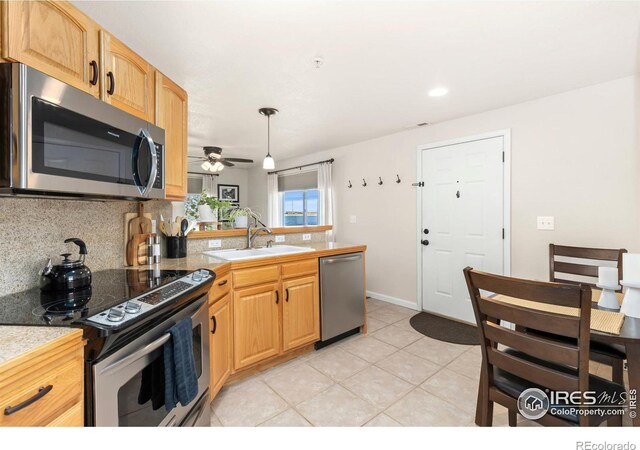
(69, 275)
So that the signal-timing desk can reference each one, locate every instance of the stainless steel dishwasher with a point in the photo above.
(341, 296)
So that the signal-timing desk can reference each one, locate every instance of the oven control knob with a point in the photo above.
(196, 277)
(115, 315)
(132, 308)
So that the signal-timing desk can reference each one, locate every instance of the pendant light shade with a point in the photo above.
(268, 163)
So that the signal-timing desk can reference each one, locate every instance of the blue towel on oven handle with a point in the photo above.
(181, 381)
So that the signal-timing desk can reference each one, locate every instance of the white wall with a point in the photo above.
(239, 177)
(575, 156)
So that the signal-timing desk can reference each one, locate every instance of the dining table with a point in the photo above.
(629, 337)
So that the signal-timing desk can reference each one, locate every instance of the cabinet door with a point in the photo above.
(54, 38)
(256, 324)
(301, 312)
(220, 348)
(128, 79)
(171, 115)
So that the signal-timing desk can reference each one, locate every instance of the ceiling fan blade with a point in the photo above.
(198, 157)
(242, 160)
(226, 163)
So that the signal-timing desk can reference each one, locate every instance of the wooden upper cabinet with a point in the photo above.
(301, 312)
(256, 324)
(171, 115)
(128, 81)
(54, 38)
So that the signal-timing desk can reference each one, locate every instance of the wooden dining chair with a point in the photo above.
(610, 355)
(513, 360)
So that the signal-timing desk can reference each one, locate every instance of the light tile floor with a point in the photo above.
(393, 376)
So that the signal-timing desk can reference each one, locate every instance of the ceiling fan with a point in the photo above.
(214, 162)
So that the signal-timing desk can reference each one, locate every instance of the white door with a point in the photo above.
(462, 221)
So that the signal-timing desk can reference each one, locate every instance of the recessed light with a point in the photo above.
(438, 92)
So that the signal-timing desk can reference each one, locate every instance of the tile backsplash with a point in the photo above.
(33, 230)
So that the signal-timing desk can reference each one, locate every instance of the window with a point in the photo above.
(300, 208)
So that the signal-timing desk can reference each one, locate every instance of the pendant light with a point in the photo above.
(268, 163)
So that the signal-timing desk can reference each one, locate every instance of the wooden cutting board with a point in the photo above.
(127, 219)
(140, 224)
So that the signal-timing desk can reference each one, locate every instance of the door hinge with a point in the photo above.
(418, 184)
(503, 233)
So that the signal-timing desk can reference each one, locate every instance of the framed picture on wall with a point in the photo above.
(230, 192)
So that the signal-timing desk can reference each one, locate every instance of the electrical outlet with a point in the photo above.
(280, 238)
(546, 223)
(352, 219)
(306, 237)
(215, 243)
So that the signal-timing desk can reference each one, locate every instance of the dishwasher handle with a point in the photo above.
(341, 259)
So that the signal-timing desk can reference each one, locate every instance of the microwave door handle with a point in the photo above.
(154, 161)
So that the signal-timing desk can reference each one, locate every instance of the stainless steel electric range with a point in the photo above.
(125, 315)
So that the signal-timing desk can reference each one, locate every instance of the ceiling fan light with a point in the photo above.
(206, 165)
(217, 167)
(268, 163)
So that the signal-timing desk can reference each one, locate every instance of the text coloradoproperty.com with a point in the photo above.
(590, 445)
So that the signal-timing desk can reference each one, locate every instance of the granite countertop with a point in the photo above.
(18, 340)
(202, 261)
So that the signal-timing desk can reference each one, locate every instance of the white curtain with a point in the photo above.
(325, 197)
(209, 185)
(273, 201)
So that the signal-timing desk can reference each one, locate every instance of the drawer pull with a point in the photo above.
(286, 296)
(112, 83)
(277, 297)
(94, 79)
(41, 393)
(223, 282)
(214, 324)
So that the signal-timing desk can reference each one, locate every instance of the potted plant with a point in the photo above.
(240, 217)
(205, 208)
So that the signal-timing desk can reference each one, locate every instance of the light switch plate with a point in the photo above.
(352, 219)
(306, 237)
(546, 223)
(280, 238)
(215, 243)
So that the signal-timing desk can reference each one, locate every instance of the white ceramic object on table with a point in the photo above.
(241, 222)
(206, 214)
(631, 267)
(631, 302)
(608, 299)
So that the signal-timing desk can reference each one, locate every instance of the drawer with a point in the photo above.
(73, 417)
(258, 275)
(66, 389)
(305, 267)
(221, 286)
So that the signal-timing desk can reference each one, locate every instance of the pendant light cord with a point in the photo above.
(269, 135)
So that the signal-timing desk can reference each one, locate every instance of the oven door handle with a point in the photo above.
(137, 355)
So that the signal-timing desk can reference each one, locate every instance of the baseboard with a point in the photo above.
(393, 300)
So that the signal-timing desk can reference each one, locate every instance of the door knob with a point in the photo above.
(425, 242)
(426, 231)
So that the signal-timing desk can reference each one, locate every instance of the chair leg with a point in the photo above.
(513, 419)
(484, 406)
(617, 371)
(615, 421)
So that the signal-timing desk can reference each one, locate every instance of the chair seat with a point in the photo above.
(514, 386)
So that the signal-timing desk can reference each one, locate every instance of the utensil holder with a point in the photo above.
(608, 299)
(176, 246)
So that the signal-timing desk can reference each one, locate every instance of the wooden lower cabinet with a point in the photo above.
(300, 312)
(220, 347)
(51, 376)
(256, 324)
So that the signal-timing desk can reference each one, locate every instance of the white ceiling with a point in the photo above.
(380, 59)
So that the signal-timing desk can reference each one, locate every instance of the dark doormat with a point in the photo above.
(446, 330)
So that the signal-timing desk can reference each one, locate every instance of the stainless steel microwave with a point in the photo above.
(56, 140)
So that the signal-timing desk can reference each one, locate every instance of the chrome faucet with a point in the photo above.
(252, 232)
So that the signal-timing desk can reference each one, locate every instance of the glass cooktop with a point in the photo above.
(108, 288)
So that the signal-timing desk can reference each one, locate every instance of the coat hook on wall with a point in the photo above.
(350, 185)
(398, 180)
(380, 182)
(364, 183)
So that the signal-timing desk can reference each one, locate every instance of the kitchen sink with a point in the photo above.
(237, 255)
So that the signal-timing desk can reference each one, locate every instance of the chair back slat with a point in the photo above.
(576, 268)
(548, 349)
(530, 318)
(552, 379)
